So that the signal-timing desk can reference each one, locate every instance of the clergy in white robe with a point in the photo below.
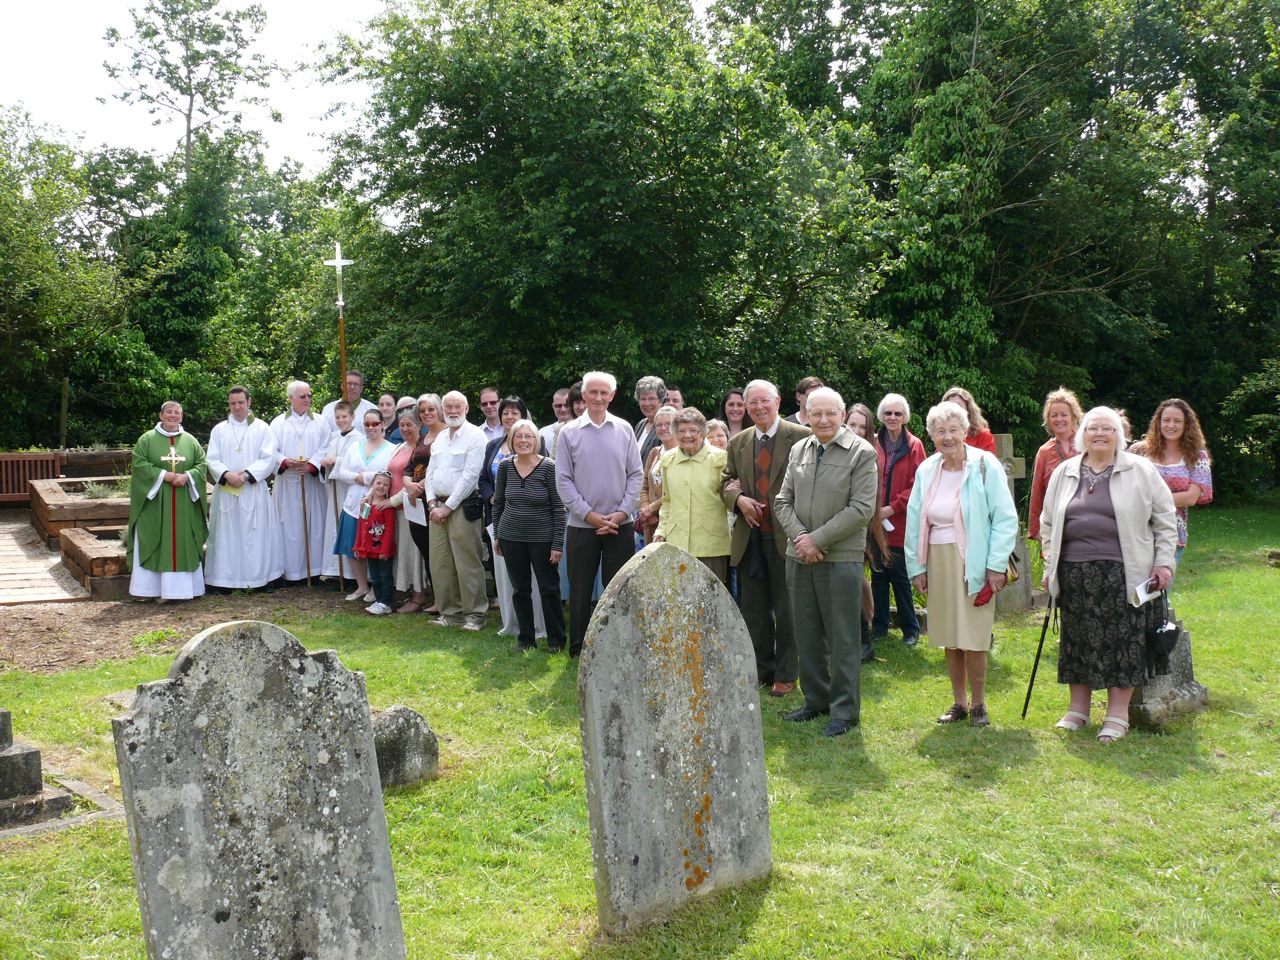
(336, 490)
(244, 549)
(302, 439)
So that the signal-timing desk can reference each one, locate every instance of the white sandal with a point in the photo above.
(1111, 736)
(1073, 721)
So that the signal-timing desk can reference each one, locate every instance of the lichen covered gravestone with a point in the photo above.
(408, 749)
(1170, 695)
(23, 794)
(254, 807)
(671, 741)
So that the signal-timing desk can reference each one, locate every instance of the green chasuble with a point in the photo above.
(171, 527)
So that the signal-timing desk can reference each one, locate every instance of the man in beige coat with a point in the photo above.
(753, 472)
(827, 499)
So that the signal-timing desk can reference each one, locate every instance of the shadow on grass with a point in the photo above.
(977, 756)
(824, 769)
(1145, 754)
(714, 926)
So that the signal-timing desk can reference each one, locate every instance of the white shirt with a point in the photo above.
(761, 434)
(493, 433)
(357, 418)
(454, 470)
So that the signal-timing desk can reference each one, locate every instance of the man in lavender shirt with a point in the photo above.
(598, 476)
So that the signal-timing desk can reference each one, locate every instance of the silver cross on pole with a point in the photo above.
(338, 263)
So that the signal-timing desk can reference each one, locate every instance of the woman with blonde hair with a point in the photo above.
(979, 435)
(1061, 417)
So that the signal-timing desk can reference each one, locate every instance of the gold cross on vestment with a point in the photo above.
(173, 459)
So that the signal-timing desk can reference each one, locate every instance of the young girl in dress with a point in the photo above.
(376, 542)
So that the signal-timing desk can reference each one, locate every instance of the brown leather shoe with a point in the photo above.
(780, 689)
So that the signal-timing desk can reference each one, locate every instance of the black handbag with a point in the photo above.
(472, 507)
(1162, 635)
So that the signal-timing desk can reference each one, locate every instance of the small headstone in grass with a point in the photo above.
(254, 808)
(408, 749)
(23, 794)
(671, 741)
(1170, 695)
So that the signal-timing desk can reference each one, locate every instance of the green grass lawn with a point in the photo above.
(902, 839)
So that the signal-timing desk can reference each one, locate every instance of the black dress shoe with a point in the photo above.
(868, 653)
(804, 715)
(911, 641)
(838, 728)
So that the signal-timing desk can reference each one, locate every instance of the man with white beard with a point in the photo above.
(302, 440)
(244, 549)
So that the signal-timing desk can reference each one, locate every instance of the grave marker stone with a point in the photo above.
(671, 741)
(24, 797)
(1178, 692)
(1016, 596)
(254, 808)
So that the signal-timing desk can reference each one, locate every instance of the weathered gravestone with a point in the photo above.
(408, 749)
(254, 807)
(1017, 596)
(24, 795)
(671, 741)
(1178, 692)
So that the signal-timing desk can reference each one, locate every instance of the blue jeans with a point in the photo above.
(382, 579)
(894, 574)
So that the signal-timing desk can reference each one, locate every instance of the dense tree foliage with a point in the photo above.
(1006, 194)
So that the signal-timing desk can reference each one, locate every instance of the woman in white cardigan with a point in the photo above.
(1107, 528)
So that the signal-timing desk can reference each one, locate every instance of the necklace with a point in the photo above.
(1094, 477)
(238, 438)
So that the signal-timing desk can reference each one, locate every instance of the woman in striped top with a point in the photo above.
(528, 521)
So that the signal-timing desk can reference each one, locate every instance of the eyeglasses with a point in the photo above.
(559, 406)
(892, 413)
(488, 403)
(303, 396)
(1099, 429)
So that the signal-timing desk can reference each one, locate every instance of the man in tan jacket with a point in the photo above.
(827, 499)
(753, 472)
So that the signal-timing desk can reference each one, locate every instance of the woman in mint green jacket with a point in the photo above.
(961, 528)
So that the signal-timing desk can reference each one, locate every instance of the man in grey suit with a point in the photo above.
(828, 497)
(749, 485)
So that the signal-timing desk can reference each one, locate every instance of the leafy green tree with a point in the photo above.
(190, 60)
(577, 184)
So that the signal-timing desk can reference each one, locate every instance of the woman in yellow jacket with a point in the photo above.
(692, 515)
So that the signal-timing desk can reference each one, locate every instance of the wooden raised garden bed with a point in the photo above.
(96, 463)
(95, 557)
(56, 507)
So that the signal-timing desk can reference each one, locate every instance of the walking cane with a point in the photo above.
(306, 531)
(1044, 630)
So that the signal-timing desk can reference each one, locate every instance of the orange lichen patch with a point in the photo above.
(697, 739)
(683, 567)
(706, 801)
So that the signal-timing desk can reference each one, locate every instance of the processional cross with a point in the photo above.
(338, 263)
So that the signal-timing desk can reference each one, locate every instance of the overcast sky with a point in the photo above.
(52, 67)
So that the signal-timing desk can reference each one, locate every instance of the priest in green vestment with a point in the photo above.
(164, 541)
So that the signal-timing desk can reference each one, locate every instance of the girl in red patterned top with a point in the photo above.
(1175, 444)
(376, 542)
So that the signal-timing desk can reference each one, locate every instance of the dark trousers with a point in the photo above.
(421, 539)
(587, 552)
(894, 574)
(826, 604)
(382, 578)
(523, 559)
(766, 608)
